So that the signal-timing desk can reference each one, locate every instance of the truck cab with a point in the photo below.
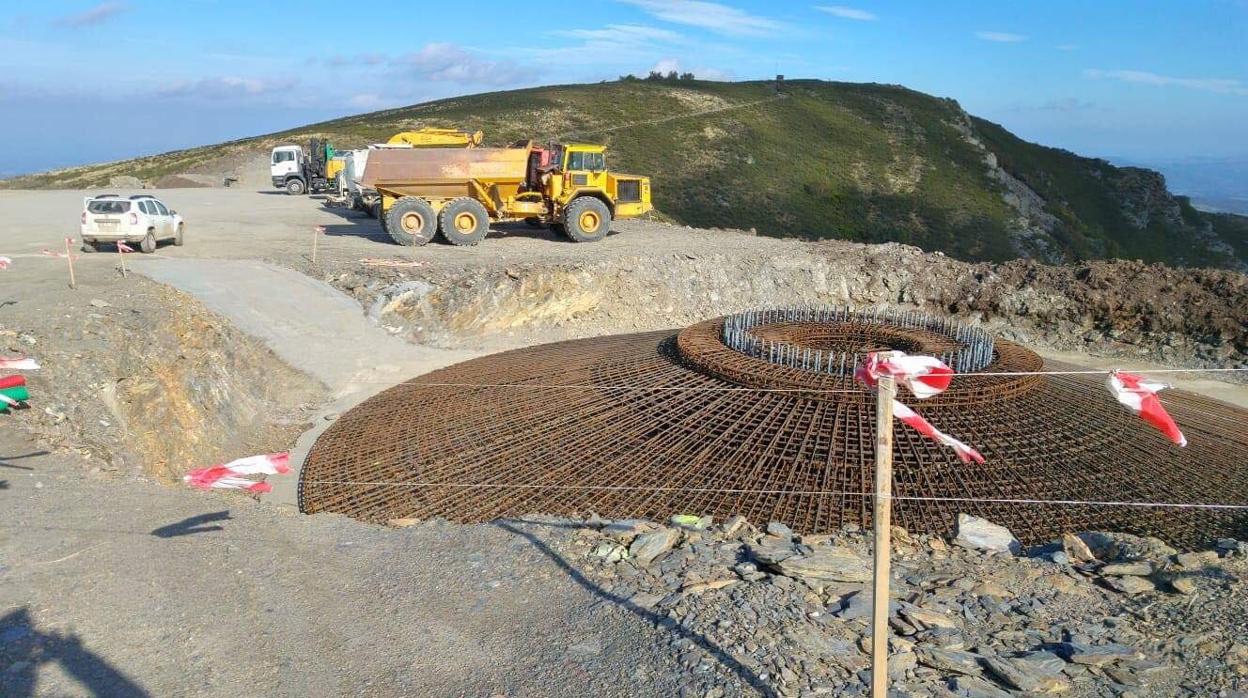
(286, 166)
(582, 171)
(299, 171)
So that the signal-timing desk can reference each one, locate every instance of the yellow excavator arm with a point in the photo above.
(437, 138)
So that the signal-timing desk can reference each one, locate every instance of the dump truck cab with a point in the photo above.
(579, 170)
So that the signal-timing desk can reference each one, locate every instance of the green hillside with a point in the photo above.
(864, 162)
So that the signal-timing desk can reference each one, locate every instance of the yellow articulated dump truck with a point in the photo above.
(456, 192)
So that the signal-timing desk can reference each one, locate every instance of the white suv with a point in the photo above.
(142, 219)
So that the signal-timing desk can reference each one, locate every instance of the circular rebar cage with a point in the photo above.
(695, 421)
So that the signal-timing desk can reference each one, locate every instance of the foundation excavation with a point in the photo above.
(456, 192)
(758, 414)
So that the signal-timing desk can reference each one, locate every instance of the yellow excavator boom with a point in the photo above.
(437, 138)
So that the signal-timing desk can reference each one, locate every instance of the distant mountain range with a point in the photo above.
(808, 158)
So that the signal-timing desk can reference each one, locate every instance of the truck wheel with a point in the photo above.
(587, 219)
(374, 210)
(411, 221)
(464, 221)
(295, 187)
(178, 238)
(148, 244)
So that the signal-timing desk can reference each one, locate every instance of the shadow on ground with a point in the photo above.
(192, 525)
(25, 649)
(662, 622)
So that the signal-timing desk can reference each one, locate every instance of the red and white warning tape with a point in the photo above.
(5, 262)
(1140, 396)
(18, 363)
(925, 376)
(230, 475)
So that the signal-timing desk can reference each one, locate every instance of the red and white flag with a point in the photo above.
(4, 263)
(123, 247)
(1140, 396)
(229, 475)
(925, 376)
(18, 363)
(62, 255)
(915, 421)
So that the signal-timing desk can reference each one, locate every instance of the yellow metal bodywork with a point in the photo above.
(498, 179)
(437, 138)
(334, 167)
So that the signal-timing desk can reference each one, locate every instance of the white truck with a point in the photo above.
(299, 171)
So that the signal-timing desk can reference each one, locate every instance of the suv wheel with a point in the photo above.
(177, 238)
(148, 244)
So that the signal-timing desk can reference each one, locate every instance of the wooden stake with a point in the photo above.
(882, 520)
(316, 233)
(69, 258)
(122, 256)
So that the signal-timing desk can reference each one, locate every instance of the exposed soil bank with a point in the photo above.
(1126, 309)
(145, 380)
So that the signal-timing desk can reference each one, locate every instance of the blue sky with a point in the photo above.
(83, 80)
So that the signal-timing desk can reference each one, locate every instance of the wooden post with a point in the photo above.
(122, 256)
(882, 520)
(69, 259)
(316, 233)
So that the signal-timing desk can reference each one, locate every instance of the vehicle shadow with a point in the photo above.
(660, 621)
(25, 649)
(523, 230)
(192, 525)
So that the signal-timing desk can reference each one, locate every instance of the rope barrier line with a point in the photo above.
(710, 389)
(722, 490)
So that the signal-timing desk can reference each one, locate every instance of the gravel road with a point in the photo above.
(132, 589)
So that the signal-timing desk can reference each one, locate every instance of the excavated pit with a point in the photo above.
(757, 414)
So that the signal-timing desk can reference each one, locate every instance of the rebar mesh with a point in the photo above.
(803, 456)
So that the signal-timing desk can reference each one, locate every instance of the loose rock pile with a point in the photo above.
(1092, 614)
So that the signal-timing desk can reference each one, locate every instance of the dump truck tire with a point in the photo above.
(411, 221)
(464, 221)
(374, 210)
(587, 219)
(295, 187)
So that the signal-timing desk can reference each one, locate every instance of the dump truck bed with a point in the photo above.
(396, 169)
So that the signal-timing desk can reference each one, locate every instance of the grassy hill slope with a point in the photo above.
(862, 162)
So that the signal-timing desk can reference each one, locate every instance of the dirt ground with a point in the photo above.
(113, 584)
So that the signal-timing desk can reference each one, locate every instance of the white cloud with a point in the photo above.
(710, 15)
(449, 62)
(225, 87)
(620, 35)
(96, 15)
(668, 65)
(665, 66)
(1141, 77)
(847, 12)
(1001, 37)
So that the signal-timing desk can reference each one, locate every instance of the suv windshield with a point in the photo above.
(106, 206)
